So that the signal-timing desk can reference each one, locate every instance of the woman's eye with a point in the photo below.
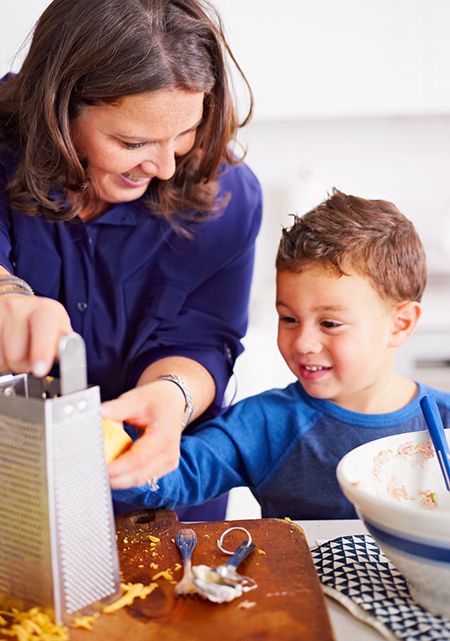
(132, 145)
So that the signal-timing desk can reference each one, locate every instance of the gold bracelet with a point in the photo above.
(15, 284)
(14, 291)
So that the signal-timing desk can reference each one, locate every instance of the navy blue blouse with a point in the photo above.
(137, 290)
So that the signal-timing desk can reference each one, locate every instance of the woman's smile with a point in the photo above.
(133, 181)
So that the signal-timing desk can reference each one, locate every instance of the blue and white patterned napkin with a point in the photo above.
(354, 571)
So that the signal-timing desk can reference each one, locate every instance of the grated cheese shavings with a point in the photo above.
(164, 574)
(32, 625)
(85, 623)
(132, 591)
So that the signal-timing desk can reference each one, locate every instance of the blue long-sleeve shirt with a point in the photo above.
(285, 446)
(137, 290)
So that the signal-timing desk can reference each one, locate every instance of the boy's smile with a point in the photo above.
(337, 336)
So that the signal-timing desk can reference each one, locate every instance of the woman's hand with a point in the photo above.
(157, 408)
(30, 330)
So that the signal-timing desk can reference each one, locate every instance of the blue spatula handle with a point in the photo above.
(436, 428)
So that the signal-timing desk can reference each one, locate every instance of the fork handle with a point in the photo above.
(186, 540)
(240, 554)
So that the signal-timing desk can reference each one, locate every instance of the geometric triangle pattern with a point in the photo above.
(355, 567)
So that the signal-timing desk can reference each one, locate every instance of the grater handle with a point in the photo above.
(72, 364)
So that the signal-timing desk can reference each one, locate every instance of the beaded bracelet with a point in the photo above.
(189, 404)
(14, 285)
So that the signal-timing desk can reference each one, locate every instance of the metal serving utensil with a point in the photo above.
(186, 540)
(224, 583)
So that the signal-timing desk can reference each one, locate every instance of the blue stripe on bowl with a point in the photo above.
(416, 548)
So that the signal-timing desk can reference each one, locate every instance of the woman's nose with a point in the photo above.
(163, 164)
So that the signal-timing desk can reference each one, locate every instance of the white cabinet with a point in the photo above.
(342, 58)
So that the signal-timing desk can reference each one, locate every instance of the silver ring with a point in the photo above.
(223, 535)
(153, 483)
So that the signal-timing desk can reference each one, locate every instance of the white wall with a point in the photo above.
(18, 18)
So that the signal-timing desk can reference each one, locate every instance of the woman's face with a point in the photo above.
(129, 143)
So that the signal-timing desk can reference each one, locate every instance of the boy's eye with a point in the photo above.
(287, 319)
(331, 324)
(132, 145)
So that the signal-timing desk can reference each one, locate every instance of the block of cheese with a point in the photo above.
(115, 439)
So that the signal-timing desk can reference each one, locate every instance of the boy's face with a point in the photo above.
(335, 334)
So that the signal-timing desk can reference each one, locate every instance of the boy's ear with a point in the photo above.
(404, 321)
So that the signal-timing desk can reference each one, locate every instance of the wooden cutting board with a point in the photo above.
(288, 603)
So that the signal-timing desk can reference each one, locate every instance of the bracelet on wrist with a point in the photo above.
(22, 292)
(14, 285)
(181, 384)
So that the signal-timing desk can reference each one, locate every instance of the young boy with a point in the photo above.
(350, 277)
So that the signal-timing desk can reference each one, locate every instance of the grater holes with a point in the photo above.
(23, 524)
(83, 511)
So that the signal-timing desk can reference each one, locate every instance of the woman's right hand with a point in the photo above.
(30, 330)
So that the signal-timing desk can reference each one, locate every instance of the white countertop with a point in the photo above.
(345, 626)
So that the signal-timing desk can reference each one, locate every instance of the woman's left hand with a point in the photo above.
(157, 409)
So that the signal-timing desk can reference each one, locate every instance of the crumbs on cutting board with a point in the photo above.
(131, 591)
(164, 574)
(32, 625)
(84, 623)
(246, 605)
(37, 625)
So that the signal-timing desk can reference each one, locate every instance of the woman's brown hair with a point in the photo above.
(370, 237)
(93, 52)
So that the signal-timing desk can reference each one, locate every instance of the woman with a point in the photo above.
(124, 211)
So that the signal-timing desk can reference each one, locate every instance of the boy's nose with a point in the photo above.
(307, 343)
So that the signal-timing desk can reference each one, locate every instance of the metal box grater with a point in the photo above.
(57, 534)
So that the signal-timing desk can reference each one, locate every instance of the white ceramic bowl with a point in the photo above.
(397, 488)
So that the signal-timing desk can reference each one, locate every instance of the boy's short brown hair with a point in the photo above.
(371, 237)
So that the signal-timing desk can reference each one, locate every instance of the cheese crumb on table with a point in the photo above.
(246, 605)
(132, 591)
(164, 574)
(85, 623)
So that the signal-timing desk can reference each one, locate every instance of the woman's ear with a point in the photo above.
(404, 321)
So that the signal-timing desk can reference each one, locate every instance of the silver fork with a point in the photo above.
(186, 540)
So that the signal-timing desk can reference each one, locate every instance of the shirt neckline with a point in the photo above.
(357, 418)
